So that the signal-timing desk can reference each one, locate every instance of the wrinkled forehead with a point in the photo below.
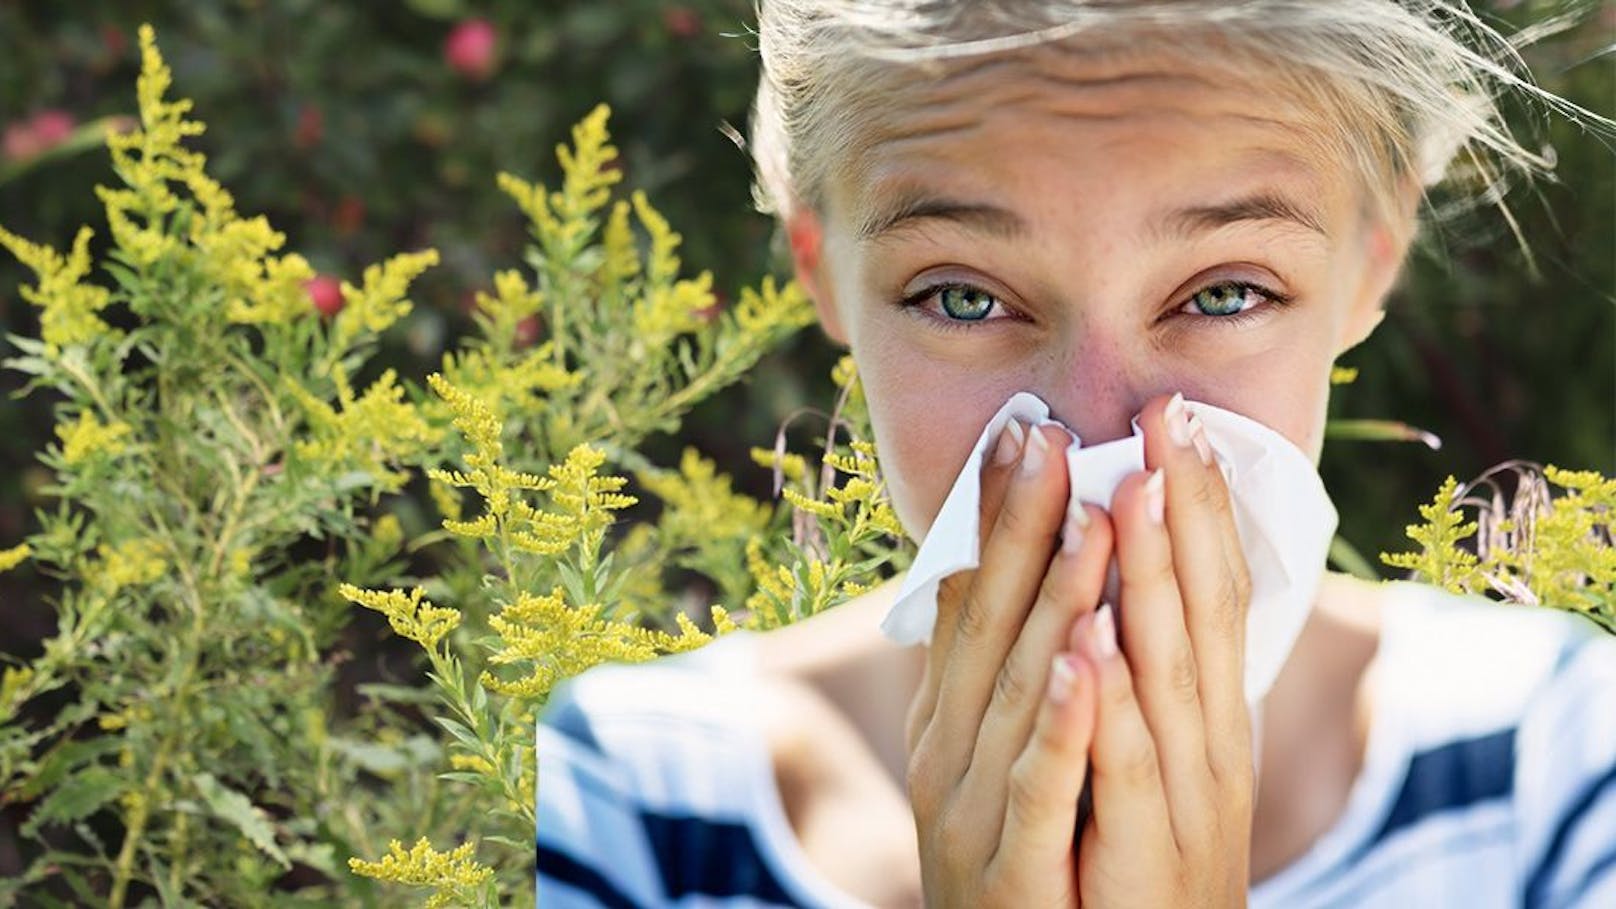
(978, 118)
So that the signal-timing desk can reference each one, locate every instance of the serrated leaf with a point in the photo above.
(235, 808)
(78, 796)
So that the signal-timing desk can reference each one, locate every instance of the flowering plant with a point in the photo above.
(221, 476)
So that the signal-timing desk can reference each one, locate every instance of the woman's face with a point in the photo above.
(1097, 233)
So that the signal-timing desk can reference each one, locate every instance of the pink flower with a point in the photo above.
(469, 49)
(52, 127)
(682, 21)
(325, 292)
(18, 142)
(36, 135)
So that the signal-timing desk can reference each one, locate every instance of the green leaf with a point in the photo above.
(1347, 557)
(235, 808)
(460, 732)
(79, 796)
(1380, 431)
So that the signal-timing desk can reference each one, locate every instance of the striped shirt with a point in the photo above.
(1489, 777)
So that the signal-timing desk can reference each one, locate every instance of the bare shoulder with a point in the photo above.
(836, 641)
(1352, 605)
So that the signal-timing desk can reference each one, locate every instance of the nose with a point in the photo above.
(1096, 389)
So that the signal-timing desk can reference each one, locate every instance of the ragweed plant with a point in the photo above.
(214, 449)
(1533, 546)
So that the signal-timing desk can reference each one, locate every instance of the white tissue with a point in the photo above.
(1283, 516)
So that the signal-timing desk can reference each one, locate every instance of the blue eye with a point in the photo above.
(1229, 298)
(968, 304)
(957, 306)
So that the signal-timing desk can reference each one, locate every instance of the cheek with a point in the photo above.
(924, 430)
(1286, 389)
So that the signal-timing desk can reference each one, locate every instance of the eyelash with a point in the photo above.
(1233, 320)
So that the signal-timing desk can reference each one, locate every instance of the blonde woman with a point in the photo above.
(1116, 206)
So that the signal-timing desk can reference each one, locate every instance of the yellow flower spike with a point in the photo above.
(482, 528)
(622, 260)
(131, 563)
(380, 300)
(662, 266)
(408, 614)
(767, 308)
(1441, 562)
(471, 762)
(812, 506)
(369, 433)
(553, 641)
(68, 308)
(89, 437)
(453, 874)
(700, 503)
(16, 555)
(586, 182)
(793, 466)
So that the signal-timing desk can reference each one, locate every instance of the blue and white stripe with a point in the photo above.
(1490, 778)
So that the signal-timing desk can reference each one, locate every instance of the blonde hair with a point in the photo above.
(1412, 84)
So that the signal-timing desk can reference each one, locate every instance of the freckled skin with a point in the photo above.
(1086, 153)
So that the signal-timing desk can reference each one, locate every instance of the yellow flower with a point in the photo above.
(89, 437)
(700, 503)
(454, 875)
(130, 563)
(471, 762)
(769, 307)
(369, 433)
(68, 307)
(410, 616)
(16, 555)
(556, 641)
(380, 301)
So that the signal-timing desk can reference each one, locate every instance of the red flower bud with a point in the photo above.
(310, 126)
(682, 21)
(349, 215)
(18, 141)
(325, 292)
(52, 127)
(469, 49)
(527, 332)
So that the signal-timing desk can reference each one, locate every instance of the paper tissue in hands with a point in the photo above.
(1282, 514)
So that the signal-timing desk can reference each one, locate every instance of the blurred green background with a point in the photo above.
(365, 129)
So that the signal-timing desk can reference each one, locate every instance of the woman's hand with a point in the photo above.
(1000, 730)
(1171, 757)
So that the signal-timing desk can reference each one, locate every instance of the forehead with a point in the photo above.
(1115, 126)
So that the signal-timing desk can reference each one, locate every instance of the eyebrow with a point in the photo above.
(912, 208)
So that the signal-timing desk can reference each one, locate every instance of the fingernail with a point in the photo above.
(1103, 632)
(1155, 496)
(1072, 530)
(1009, 443)
(1177, 420)
(1032, 460)
(1062, 676)
(1198, 437)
